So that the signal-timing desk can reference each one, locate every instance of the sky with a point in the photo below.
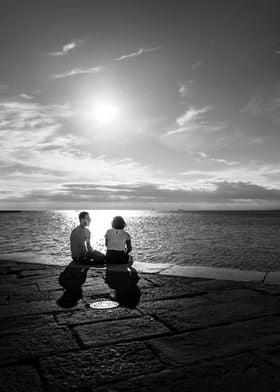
(140, 104)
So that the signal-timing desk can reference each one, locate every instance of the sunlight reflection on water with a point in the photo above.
(246, 240)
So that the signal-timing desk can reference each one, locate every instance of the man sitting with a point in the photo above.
(81, 249)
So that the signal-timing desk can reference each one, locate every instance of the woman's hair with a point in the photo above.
(118, 223)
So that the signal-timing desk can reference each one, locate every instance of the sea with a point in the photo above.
(247, 240)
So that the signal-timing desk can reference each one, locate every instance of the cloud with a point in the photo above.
(77, 71)
(264, 175)
(138, 53)
(187, 120)
(66, 48)
(26, 96)
(197, 64)
(265, 102)
(192, 114)
(206, 157)
(212, 193)
(205, 128)
(185, 89)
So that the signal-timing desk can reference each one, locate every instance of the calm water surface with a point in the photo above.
(245, 240)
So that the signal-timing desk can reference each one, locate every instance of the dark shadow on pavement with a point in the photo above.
(72, 279)
(123, 279)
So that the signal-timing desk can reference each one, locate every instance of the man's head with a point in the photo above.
(84, 218)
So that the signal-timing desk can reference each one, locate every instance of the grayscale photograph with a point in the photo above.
(139, 196)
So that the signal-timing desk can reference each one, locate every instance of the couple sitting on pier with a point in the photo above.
(117, 242)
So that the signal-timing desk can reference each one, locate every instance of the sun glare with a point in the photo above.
(104, 113)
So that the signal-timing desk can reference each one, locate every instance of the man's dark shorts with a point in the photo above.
(91, 258)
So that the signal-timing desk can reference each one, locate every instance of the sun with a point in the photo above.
(104, 112)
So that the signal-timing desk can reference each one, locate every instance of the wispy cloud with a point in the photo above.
(192, 114)
(26, 96)
(185, 88)
(66, 48)
(223, 161)
(265, 102)
(77, 71)
(197, 64)
(188, 119)
(138, 53)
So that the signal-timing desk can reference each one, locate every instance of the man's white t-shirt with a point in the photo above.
(116, 239)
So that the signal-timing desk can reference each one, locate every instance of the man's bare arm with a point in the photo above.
(88, 244)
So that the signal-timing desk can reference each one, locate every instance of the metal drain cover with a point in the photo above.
(103, 304)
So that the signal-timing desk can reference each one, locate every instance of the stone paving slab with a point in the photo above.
(30, 258)
(169, 291)
(98, 289)
(47, 285)
(144, 282)
(270, 354)
(4, 270)
(99, 366)
(269, 289)
(240, 373)
(95, 282)
(32, 308)
(95, 315)
(25, 324)
(4, 300)
(19, 267)
(241, 294)
(20, 291)
(151, 268)
(21, 378)
(35, 296)
(36, 343)
(92, 335)
(193, 346)
(159, 280)
(213, 285)
(39, 272)
(273, 278)
(7, 278)
(215, 273)
(189, 314)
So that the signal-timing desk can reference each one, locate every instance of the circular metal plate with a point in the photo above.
(104, 304)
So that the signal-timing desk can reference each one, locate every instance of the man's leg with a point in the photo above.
(96, 257)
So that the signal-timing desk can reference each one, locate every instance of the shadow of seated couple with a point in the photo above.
(120, 277)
